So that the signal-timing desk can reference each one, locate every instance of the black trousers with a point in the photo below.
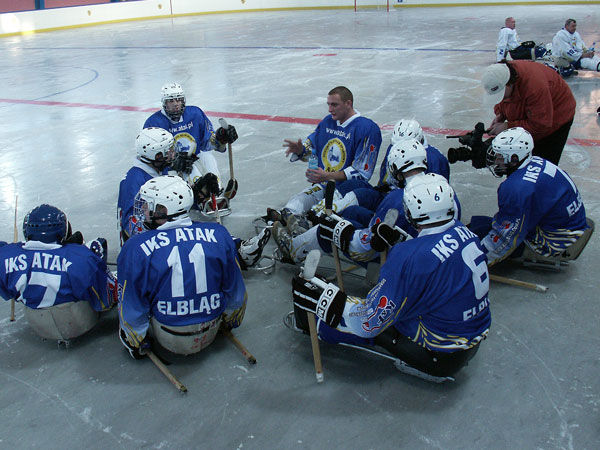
(439, 364)
(551, 147)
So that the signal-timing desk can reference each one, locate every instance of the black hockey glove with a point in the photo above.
(75, 238)
(337, 230)
(183, 162)
(99, 247)
(231, 189)
(226, 136)
(135, 352)
(328, 304)
(384, 237)
(205, 187)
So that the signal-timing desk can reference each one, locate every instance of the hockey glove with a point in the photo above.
(183, 162)
(226, 136)
(384, 237)
(328, 304)
(75, 238)
(231, 189)
(135, 352)
(205, 187)
(99, 247)
(337, 230)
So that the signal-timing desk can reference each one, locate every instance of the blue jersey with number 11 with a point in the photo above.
(182, 273)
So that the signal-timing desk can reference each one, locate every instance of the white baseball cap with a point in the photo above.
(494, 82)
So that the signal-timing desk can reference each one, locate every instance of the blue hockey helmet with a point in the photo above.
(45, 223)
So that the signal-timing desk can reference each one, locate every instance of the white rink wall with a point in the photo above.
(60, 18)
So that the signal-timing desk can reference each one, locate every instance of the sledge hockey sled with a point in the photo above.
(532, 259)
(62, 322)
(187, 339)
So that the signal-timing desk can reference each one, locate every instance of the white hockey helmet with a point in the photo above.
(428, 198)
(514, 141)
(173, 91)
(407, 129)
(162, 198)
(152, 141)
(405, 155)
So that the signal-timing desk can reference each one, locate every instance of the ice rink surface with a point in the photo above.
(72, 103)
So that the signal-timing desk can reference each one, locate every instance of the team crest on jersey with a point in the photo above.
(334, 155)
(382, 312)
(184, 142)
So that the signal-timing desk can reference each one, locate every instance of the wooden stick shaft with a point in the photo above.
(166, 372)
(16, 238)
(251, 359)
(314, 340)
(230, 151)
(523, 284)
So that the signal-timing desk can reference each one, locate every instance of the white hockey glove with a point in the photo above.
(337, 230)
(328, 304)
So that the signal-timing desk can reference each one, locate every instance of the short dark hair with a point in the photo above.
(343, 92)
(569, 22)
(513, 73)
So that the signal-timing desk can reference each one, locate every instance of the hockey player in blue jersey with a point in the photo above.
(360, 234)
(430, 308)
(344, 146)
(154, 148)
(538, 204)
(358, 199)
(62, 283)
(181, 279)
(193, 132)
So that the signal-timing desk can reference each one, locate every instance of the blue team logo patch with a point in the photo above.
(382, 313)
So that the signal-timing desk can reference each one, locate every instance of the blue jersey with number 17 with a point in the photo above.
(182, 273)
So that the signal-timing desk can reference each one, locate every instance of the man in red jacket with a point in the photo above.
(532, 96)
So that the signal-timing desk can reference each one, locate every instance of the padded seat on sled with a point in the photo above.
(187, 339)
(62, 322)
(533, 259)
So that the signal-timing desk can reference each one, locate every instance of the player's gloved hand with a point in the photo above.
(231, 189)
(135, 352)
(75, 238)
(183, 162)
(99, 247)
(206, 186)
(337, 230)
(383, 237)
(226, 135)
(327, 304)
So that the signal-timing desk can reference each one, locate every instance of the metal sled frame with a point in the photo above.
(266, 265)
(62, 322)
(260, 224)
(207, 210)
(187, 339)
(558, 263)
(401, 365)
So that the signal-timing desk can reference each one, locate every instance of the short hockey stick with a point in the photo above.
(523, 284)
(251, 359)
(166, 372)
(308, 273)
(329, 191)
(15, 239)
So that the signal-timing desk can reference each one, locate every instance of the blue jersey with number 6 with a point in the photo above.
(433, 289)
(182, 273)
